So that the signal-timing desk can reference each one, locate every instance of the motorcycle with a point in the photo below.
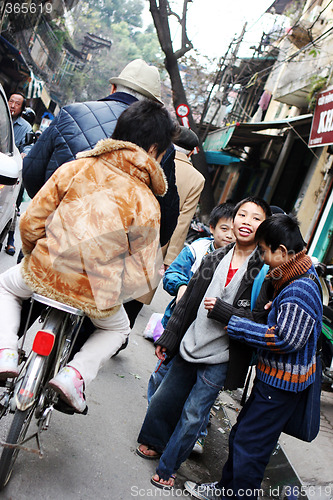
(325, 274)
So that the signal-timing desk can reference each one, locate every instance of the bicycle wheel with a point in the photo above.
(16, 435)
(3, 402)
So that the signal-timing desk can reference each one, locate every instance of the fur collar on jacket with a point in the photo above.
(133, 160)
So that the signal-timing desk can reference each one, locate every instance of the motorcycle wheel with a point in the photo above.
(16, 435)
(327, 346)
(328, 313)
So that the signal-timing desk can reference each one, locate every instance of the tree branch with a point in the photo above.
(185, 41)
(160, 14)
(172, 13)
(181, 52)
(160, 17)
(160, 11)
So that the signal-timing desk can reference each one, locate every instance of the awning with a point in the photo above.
(220, 158)
(249, 134)
(13, 63)
(285, 123)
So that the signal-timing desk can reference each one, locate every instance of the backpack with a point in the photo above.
(258, 281)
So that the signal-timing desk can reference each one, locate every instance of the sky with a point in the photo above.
(212, 24)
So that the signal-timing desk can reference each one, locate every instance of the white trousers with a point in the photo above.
(110, 333)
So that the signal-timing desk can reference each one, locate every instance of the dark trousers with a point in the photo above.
(132, 308)
(253, 439)
(177, 412)
(20, 196)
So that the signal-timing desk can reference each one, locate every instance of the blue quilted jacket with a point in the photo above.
(182, 269)
(77, 127)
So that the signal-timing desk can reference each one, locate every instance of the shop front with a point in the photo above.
(266, 166)
(321, 240)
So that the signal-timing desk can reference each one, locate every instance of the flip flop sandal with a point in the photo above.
(147, 457)
(163, 486)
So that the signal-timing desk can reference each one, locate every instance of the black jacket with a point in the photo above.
(169, 203)
(186, 310)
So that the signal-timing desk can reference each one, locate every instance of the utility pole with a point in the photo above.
(225, 76)
(217, 81)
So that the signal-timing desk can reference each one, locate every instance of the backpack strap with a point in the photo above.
(257, 283)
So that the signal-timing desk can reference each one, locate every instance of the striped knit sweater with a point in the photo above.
(287, 343)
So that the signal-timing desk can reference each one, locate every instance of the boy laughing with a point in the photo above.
(205, 359)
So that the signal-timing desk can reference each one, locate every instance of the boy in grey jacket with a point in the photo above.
(205, 360)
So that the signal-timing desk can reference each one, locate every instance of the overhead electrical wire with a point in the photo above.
(320, 13)
(289, 58)
(264, 71)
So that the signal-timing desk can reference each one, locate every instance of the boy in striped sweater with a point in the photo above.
(286, 359)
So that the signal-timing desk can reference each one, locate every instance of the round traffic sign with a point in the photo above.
(182, 110)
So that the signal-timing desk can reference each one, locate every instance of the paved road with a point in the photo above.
(94, 456)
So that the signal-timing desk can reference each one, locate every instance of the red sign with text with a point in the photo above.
(322, 123)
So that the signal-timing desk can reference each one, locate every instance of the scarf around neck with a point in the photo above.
(299, 264)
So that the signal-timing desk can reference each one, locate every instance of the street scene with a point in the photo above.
(166, 249)
(95, 454)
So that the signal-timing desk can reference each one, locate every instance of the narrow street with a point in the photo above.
(254, 82)
(94, 455)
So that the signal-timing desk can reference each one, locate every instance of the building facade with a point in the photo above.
(277, 161)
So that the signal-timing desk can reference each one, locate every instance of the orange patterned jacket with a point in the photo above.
(91, 234)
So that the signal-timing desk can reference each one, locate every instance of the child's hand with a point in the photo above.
(209, 303)
(268, 305)
(160, 352)
(162, 270)
(180, 293)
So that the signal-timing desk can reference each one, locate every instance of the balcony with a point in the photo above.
(292, 79)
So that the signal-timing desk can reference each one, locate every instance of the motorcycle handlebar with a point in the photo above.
(324, 270)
